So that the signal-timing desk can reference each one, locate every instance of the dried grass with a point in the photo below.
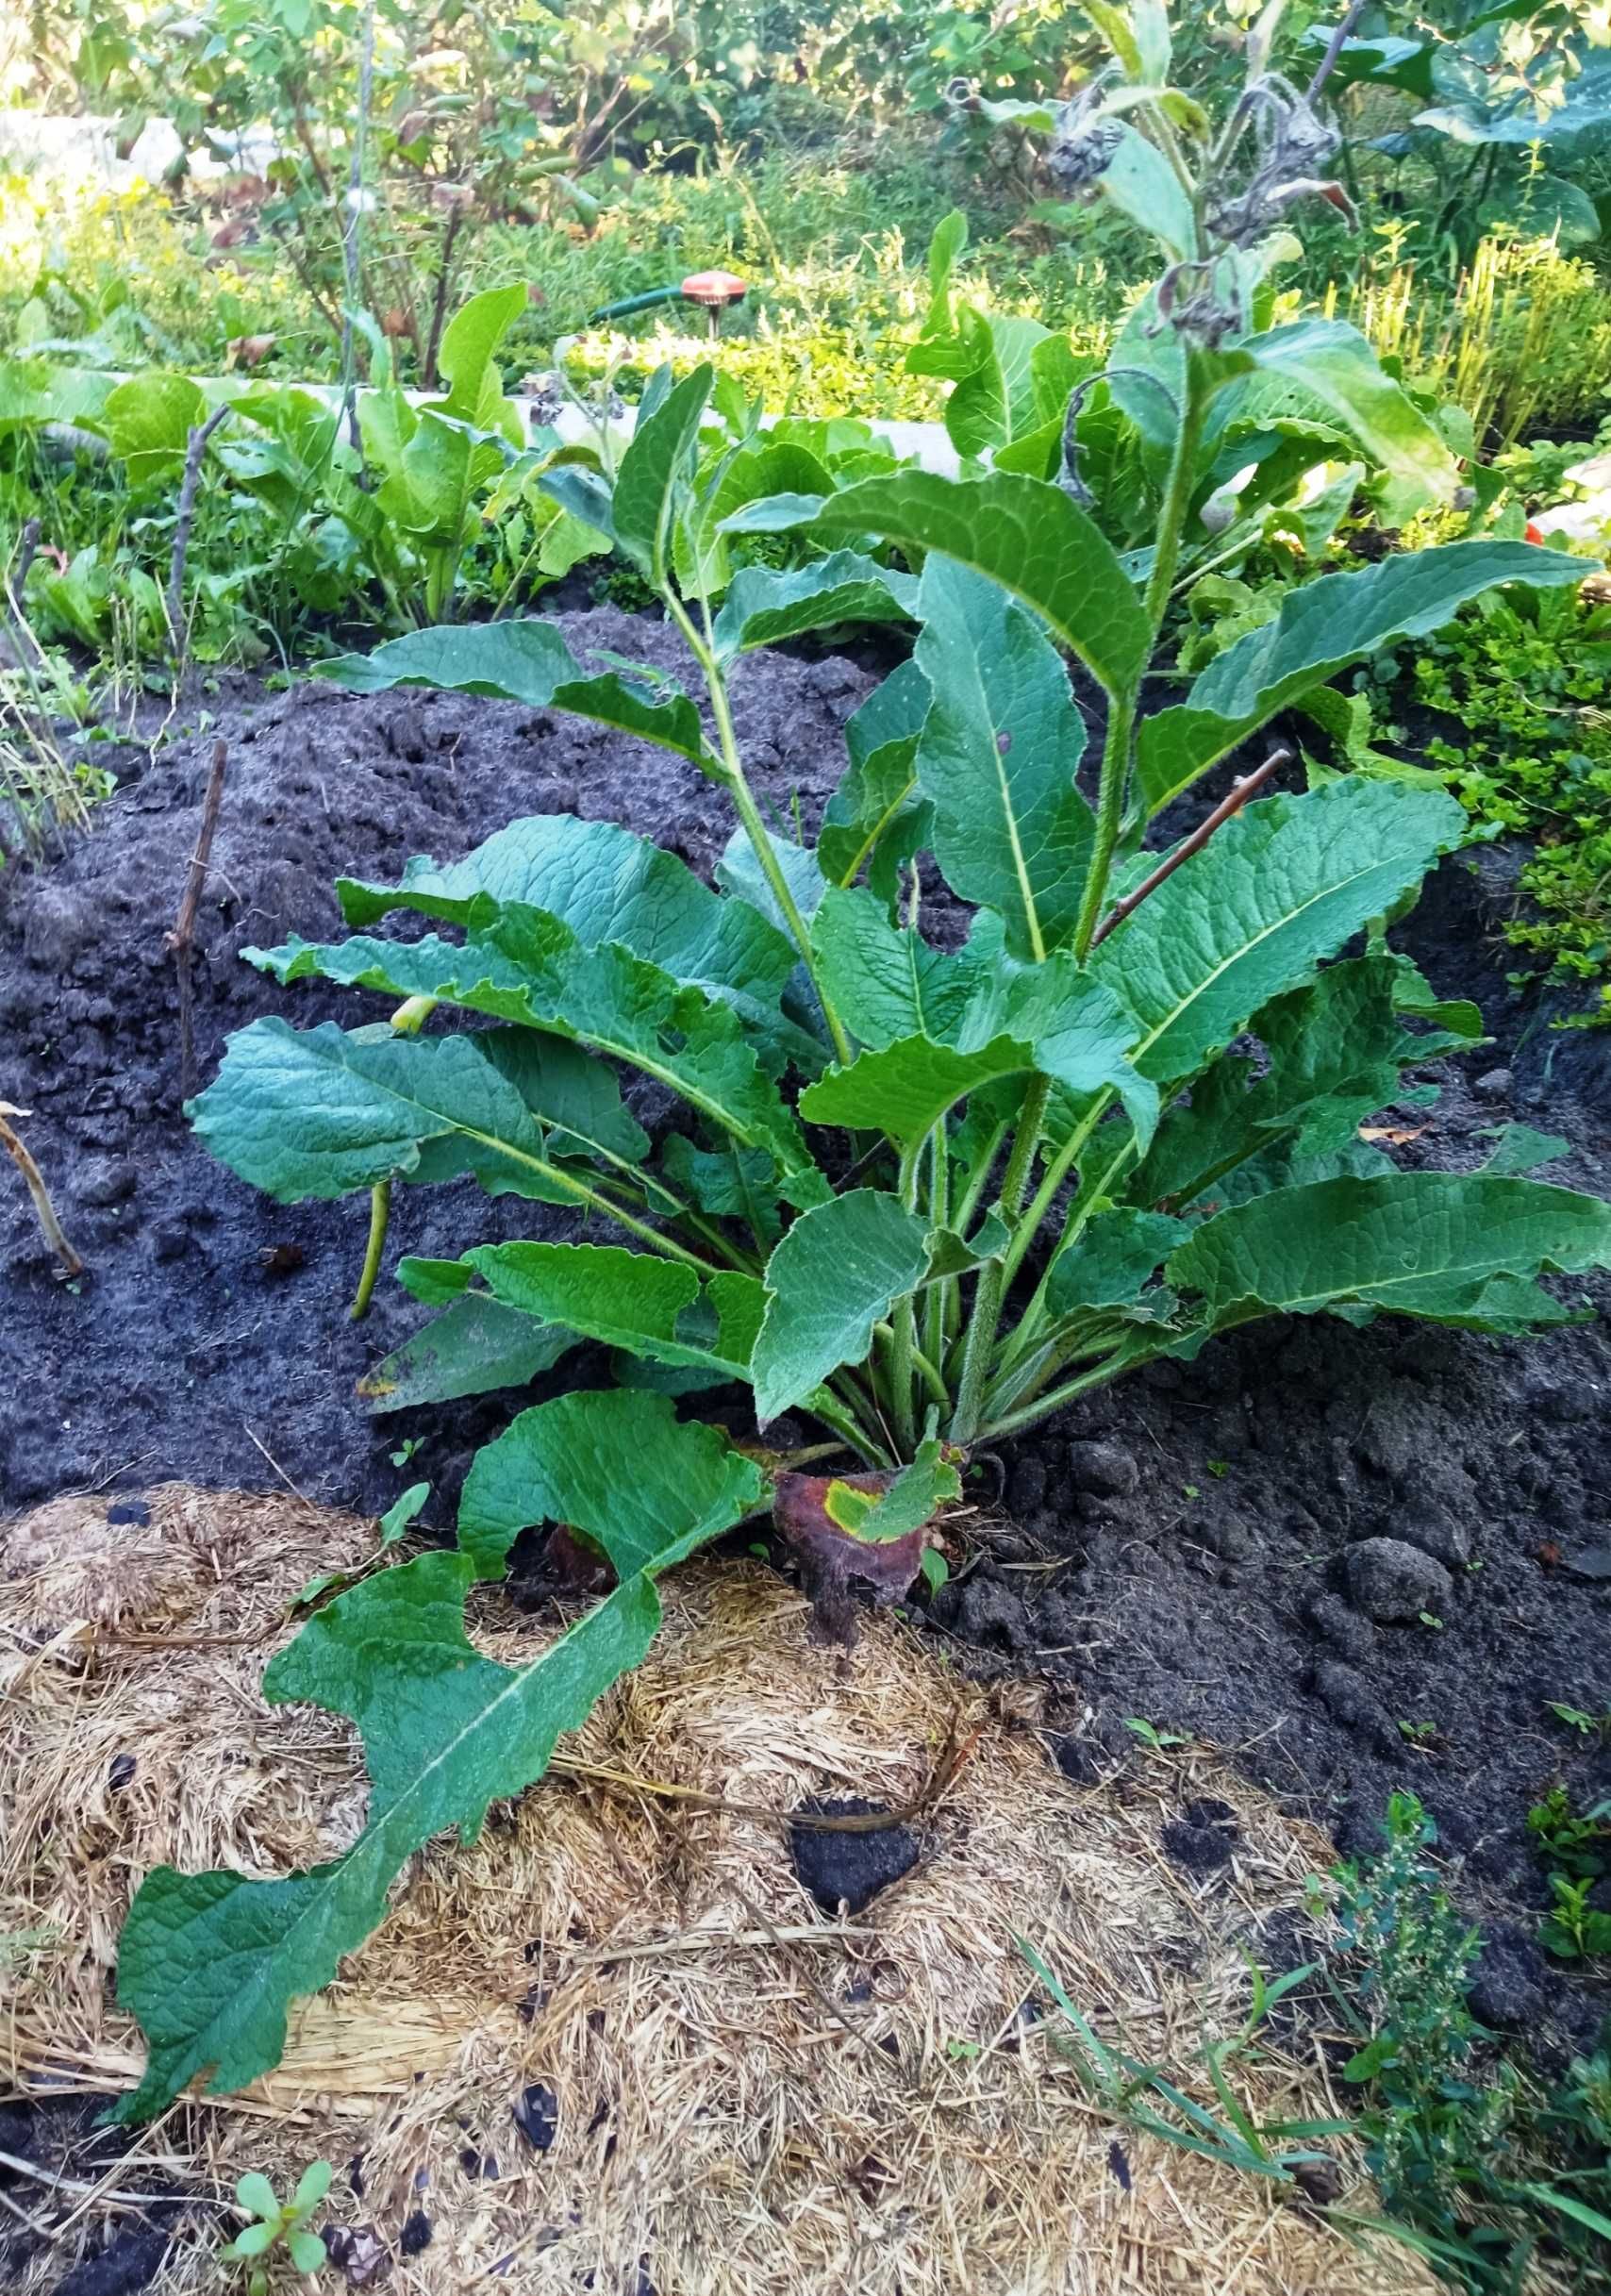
(739, 2114)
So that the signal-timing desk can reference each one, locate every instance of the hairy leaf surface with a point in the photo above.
(1448, 1246)
(1283, 885)
(209, 1963)
(528, 661)
(1322, 627)
(997, 756)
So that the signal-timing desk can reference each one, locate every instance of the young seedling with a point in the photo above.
(279, 2225)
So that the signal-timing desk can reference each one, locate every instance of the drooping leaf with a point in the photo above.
(1022, 533)
(997, 756)
(525, 967)
(763, 607)
(209, 1963)
(472, 1347)
(1283, 885)
(1453, 1247)
(929, 1482)
(618, 1467)
(836, 1273)
(1334, 362)
(527, 661)
(629, 1300)
(903, 1088)
(1333, 1055)
(319, 1112)
(1322, 627)
(608, 884)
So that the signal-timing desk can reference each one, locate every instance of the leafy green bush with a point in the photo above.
(1523, 686)
(1002, 1176)
(1480, 2166)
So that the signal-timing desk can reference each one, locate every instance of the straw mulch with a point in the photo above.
(752, 2100)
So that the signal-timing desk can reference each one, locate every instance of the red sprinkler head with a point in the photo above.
(714, 292)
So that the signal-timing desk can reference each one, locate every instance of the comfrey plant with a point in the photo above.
(921, 1194)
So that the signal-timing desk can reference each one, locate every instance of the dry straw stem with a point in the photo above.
(655, 1962)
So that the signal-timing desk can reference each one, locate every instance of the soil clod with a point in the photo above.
(844, 1870)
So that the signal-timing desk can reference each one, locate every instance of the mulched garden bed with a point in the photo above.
(1190, 1550)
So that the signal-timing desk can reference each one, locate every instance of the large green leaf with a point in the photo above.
(1334, 362)
(1022, 533)
(1281, 886)
(629, 1300)
(764, 606)
(475, 393)
(837, 1272)
(209, 1963)
(1111, 1260)
(885, 981)
(878, 819)
(654, 474)
(997, 756)
(903, 1088)
(608, 884)
(527, 967)
(1333, 1055)
(148, 420)
(1141, 184)
(472, 1347)
(322, 1111)
(528, 661)
(1448, 1246)
(1322, 627)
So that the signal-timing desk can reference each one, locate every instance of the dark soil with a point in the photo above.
(124, 2248)
(1200, 1518)
(845, 1868)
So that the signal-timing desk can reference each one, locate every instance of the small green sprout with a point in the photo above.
(1586, 1725)
(1159, 1741)
(275, 2224)
(1220, 1468)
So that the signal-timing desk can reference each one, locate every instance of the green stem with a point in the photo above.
(1056, 1172)
(750, 814)
(988, 1291)
(1043, 1408)
(1123, 706)
(937, 1305)
(1034, 1314)
(379, 1220)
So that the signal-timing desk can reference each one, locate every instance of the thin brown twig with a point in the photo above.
(439, 304)
(950, 1760)
(67, 1258)
(194, 455)
(81, 2189)
(1327, 64)
(182, 939)
(1233, 801)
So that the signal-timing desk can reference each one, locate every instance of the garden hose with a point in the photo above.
(713, 291)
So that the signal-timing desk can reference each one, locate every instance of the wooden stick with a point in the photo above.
(1233, 801)
(195, 453)
(182, 938)
(67, 1258)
